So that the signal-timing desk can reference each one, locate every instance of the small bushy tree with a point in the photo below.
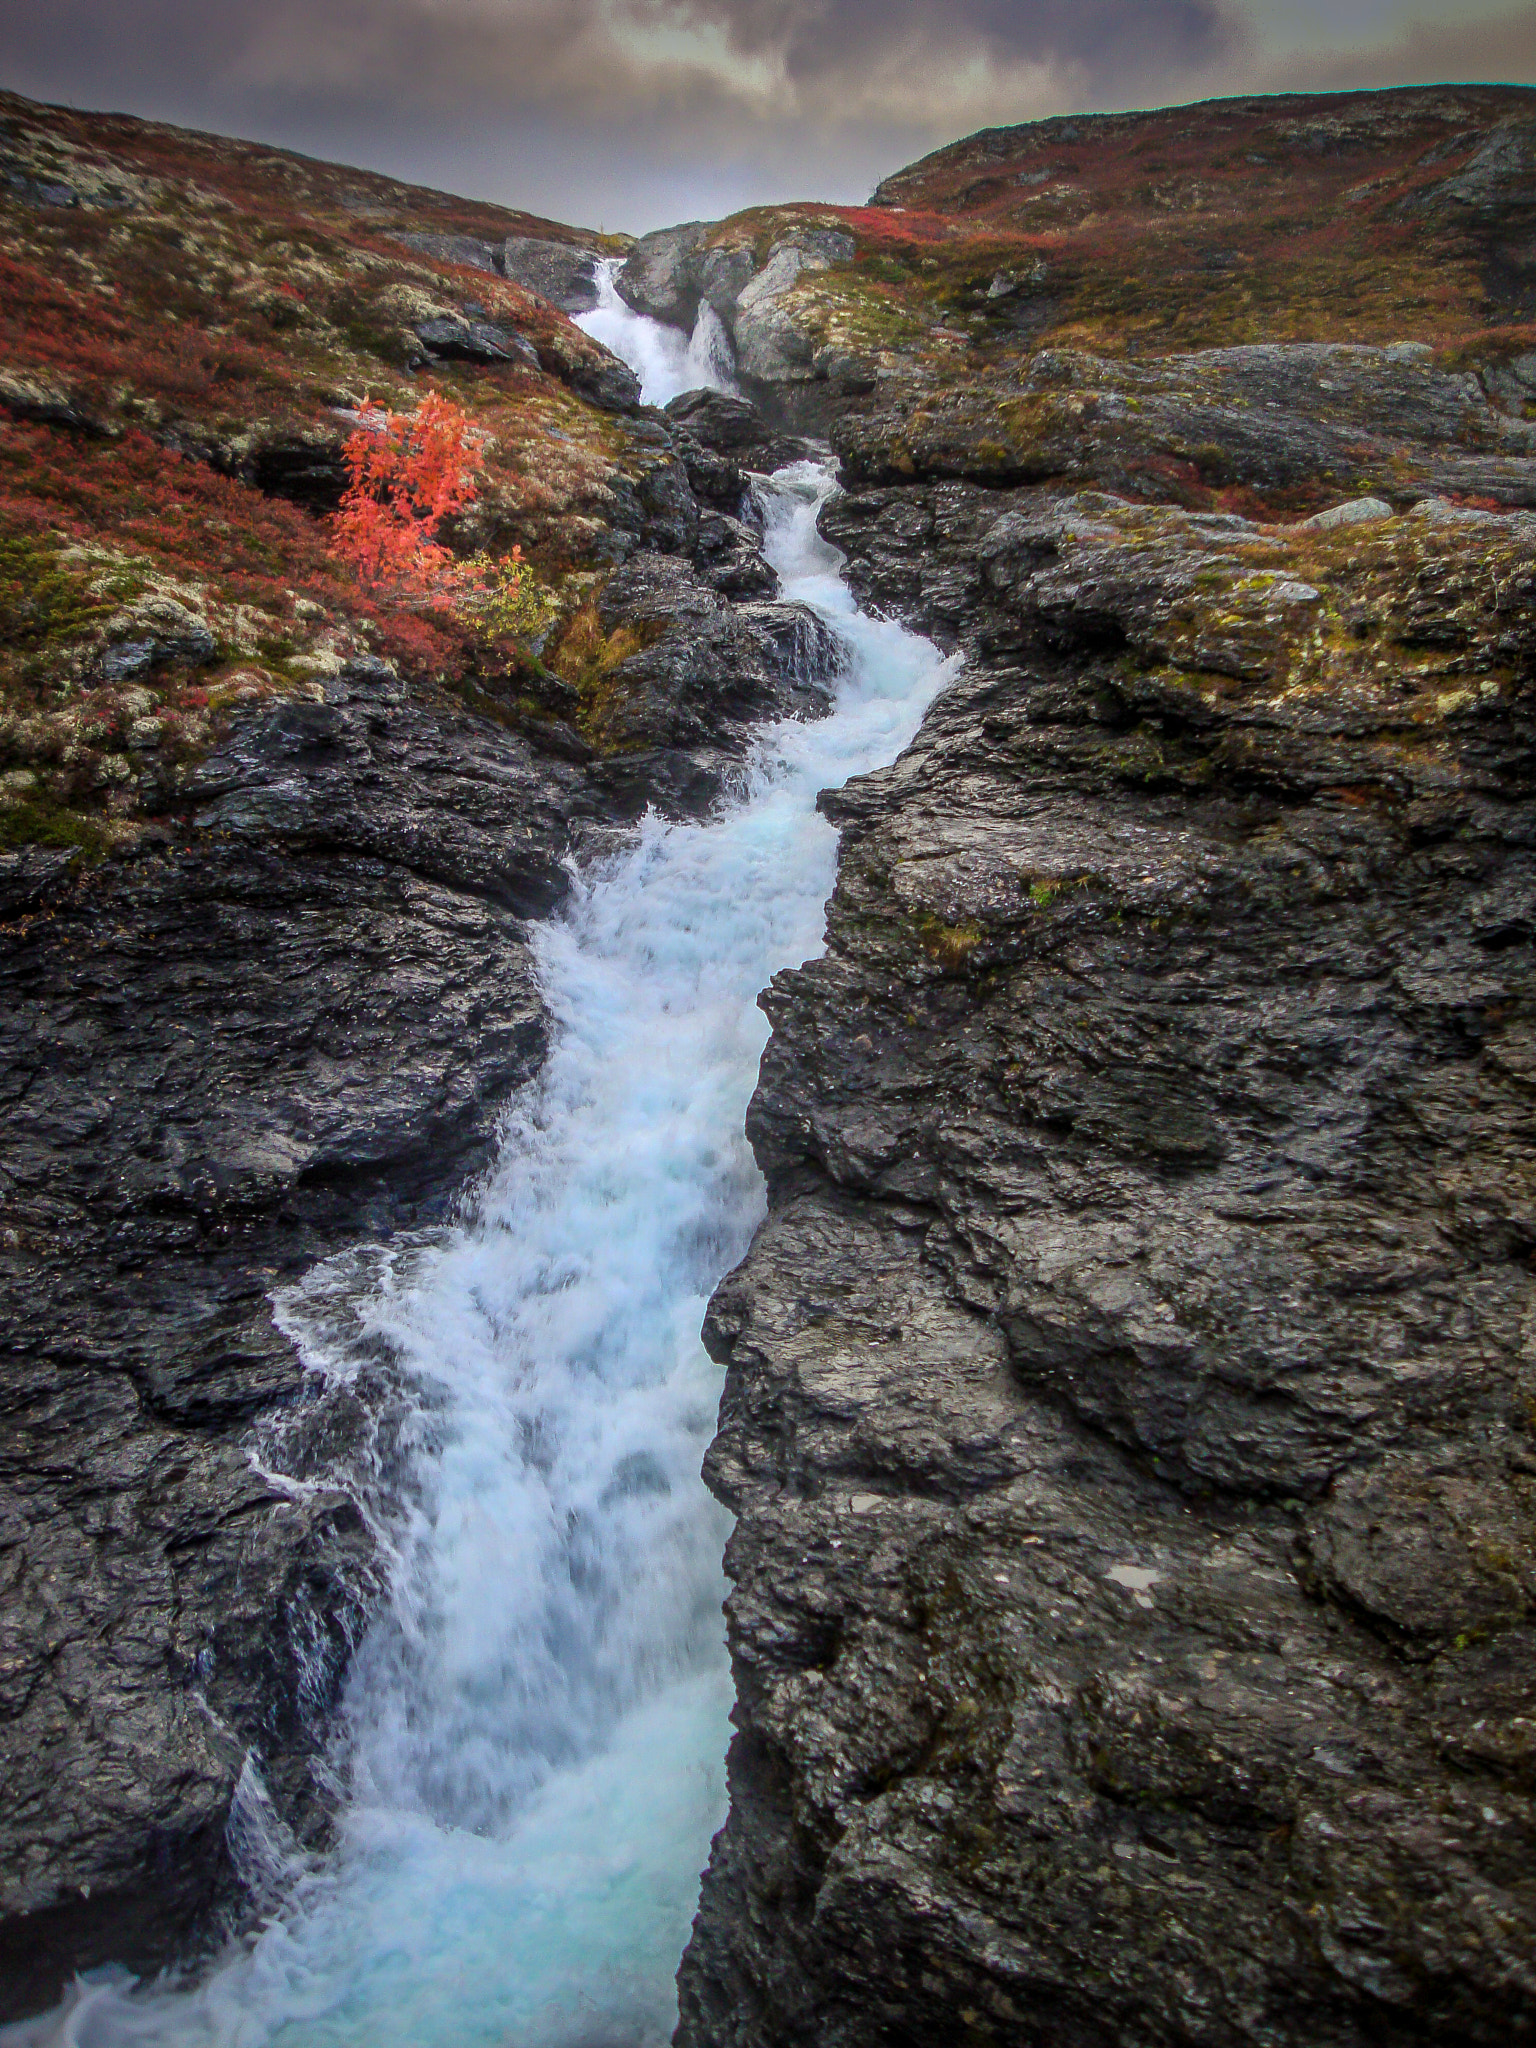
(409, 473)
(505, 601)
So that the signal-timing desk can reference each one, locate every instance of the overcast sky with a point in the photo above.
(636, 113)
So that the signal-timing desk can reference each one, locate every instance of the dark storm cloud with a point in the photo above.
(400, 54)
(586, 57)
(1101, 38)
(631, 110)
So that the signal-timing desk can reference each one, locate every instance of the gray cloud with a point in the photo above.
(1492, 49)
(637, 111)
(1104, 39)
(588, 59)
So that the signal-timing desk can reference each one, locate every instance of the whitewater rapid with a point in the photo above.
(667, 361)
(533, 1734)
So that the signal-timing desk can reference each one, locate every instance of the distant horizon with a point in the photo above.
(630, 115)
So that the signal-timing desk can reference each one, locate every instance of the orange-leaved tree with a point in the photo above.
(409, 472)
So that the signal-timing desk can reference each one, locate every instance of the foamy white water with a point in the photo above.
(535, 1730)
(666, 360)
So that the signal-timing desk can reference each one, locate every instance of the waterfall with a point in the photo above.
(534, 1731)
(664, 359)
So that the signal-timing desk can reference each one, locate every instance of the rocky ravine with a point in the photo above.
(1124, 1404)
(1130, 1407)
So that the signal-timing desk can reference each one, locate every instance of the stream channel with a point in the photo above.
(533, 1734)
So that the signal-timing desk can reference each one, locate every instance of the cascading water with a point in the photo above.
(534, 1731)
(666, 360)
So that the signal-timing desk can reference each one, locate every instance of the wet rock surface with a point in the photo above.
(288, 1023)
(562, 272)
(735, 428)
(1129, 1400)
(679, 714)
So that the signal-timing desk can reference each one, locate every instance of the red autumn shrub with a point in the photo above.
(410, 472)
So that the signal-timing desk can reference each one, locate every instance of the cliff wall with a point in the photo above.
(1129, 1402)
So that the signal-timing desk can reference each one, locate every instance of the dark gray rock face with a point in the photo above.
(289, 1024)
(730, 553)
(454, 339)
(565, 273)
(662, 274)
(600, 377)
(1274, 418)
(680, 713)
(1129, 1399)
(466, 249)
(735, 427)
(562, 272)
(307, 467)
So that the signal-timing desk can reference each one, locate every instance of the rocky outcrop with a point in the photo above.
(1271, 418)
(678, 715)
(285, 1021)
(562, 272)
(1128, 1406)
(772, 347)
(779, 355)
(735, 428)
(663, 274)
(469, 250)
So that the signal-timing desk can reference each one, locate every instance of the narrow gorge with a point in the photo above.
(1065, 634)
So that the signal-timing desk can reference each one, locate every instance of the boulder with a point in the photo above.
(662, 275)
(27, 396)
(1353, 512)
(156, 630)
(465, 249)
(454, 337)
(771, 346)
(683, 709)
(736, 428)
(729, 553)
(724, 273)
(565, 273)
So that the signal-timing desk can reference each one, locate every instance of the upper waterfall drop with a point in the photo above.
(666, 361)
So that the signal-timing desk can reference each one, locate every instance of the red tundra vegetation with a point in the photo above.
(409, 472)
